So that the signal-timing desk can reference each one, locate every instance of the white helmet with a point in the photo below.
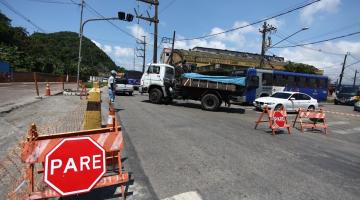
(113, 72)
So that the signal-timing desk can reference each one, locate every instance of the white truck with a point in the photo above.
(160, 82)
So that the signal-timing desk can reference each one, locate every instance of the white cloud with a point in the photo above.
(232, 40)
(307, 15)
(123, 51)
(138, 32)
(330, 63)
(107, 49)
(96, 43)
(275, 22)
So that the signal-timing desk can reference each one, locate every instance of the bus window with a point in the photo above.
(311, 82)
(267, 79)
(279, 80)
(321, 83)
(300, 81)
(291, 81)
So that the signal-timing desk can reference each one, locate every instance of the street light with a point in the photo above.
(121, 16)
(303, 29)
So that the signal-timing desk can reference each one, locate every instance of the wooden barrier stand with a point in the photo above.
(313, 119)
(35, 149)
(275, 119)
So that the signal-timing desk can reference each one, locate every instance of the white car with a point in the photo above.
(292, 101)
(123, 87)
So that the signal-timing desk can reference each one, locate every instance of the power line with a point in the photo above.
(320, 41)
(88, 6)
(167, 6)
(54, 2)
(21, 15)
(281, 36)
(253, 23)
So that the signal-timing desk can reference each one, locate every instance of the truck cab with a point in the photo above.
(154, 80)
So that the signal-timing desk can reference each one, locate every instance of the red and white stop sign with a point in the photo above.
(279, 119)
(75, 165)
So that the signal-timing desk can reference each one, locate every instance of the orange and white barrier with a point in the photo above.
(311, 119)
(276, 119)
(37, 147)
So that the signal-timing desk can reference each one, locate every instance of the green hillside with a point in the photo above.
(55, 53)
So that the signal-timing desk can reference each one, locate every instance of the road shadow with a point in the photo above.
(198, 106)
(109, 192)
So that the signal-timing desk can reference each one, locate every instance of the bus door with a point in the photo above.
(252, 83)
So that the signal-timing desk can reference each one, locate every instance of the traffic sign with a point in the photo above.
(279, 119)
(75, 165)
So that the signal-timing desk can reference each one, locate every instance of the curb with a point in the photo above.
(36, 99)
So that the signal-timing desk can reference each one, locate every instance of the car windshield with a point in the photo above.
(121, 81)
(281, 95)
(348, 90)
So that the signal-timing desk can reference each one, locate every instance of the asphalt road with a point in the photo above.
(180, 148)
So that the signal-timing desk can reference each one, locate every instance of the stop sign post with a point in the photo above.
(75, 165)
(279, 119)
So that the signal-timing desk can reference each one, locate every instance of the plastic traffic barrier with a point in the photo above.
(276, 119)
(40, 150)
(313, 119)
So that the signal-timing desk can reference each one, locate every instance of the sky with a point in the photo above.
(193, 18)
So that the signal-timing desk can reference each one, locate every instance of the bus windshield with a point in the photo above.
(281, 95)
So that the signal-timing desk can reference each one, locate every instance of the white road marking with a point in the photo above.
(193, 195)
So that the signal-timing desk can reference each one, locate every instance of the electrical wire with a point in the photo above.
(253, 23)
(54, 2)
(281, 36)
(5, 3)
(320, 41)
(167, 6)
(90, 8)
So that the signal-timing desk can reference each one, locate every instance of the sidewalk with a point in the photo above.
(16, 95)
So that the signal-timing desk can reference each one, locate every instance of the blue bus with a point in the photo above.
(271, 81)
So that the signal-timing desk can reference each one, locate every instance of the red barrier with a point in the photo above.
(275, 119)
(313, 119)
(37, 148)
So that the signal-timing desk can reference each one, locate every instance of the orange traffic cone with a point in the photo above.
(111, 117)
(47, 90)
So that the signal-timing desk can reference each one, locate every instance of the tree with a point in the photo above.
(300, 68)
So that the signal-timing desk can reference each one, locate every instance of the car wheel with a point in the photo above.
(130, 93)
(155, 96)
(311, 108)
(335, 102)
(278, 107)
(210, 102)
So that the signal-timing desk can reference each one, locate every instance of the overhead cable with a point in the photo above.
(253, 23)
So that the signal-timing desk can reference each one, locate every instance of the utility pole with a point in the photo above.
(355, 78)
(155, 20)
(144, 52)
(134, 58)
(80, 36)
(342, 70)
(265, 29)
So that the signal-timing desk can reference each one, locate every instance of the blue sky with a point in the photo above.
(192, 18)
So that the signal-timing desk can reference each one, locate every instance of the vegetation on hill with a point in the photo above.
(55, 53)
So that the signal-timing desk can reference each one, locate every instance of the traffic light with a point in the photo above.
(129, 17)
(121, 15)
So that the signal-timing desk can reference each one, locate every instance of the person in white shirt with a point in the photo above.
(111, 86)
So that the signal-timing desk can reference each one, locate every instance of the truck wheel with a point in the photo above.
(210, 102)
(155, 96)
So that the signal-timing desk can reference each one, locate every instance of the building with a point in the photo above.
(204, 59)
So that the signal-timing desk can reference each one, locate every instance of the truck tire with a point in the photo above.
(210, 102)
(155, 95)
